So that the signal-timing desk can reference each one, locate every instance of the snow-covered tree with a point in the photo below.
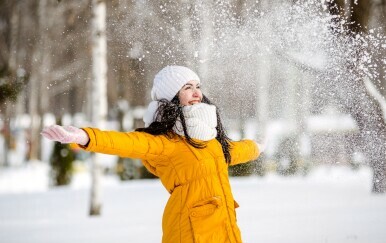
(364, 107)
(98, 93)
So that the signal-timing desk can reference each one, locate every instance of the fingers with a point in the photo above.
(61, 133)
(56, 133)
(47, 134)
(67, 134)
(71, 129)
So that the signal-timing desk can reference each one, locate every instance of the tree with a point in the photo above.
(363, 107)
(12, 77)
(38, 80)
(98, 93)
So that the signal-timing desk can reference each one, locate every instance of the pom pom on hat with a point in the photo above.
(170, 80)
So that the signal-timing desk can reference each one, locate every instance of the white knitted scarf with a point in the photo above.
(200, 120)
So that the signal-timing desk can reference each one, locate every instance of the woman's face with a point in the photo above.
(190, 93)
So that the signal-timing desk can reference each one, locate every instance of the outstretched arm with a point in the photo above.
(244, 151)
(124, 144)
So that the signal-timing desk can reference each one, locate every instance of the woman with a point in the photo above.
(185, 145)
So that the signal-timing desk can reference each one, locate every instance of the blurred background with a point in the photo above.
(307, 75)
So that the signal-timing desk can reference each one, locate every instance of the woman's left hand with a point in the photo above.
(66, 134)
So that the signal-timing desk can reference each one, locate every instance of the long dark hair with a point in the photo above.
(166, 116)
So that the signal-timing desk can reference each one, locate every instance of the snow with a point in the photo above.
(278, 129)
(32, 177)
(331, 204)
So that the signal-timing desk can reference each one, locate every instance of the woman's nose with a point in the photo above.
(195, 93)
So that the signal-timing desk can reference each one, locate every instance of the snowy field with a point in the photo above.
(330, 205)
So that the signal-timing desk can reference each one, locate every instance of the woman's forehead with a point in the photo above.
(192, 82)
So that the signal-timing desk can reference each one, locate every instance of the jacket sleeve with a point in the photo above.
(125, 144)
(244, 151)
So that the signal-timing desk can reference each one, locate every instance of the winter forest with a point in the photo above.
(306, 76)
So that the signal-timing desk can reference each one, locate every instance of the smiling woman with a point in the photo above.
(184, 144)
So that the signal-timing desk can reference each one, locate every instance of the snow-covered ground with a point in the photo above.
(330, 205)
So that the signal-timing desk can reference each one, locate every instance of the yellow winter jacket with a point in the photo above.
(201, 207)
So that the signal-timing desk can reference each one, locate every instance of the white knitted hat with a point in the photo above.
(170, 80)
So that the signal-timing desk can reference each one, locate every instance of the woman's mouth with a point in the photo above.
(194, 102)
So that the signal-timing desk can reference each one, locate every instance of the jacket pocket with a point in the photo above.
(209, 221)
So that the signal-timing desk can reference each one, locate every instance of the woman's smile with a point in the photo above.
(194, 102)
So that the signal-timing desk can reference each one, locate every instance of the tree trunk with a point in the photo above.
(375, 136)
(367, 113)
(364, 108)
(99, 93)
(12, 63)
(370, 120)
(37, 82)
(7, 134)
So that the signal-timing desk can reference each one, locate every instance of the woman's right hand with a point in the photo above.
(263, 145)
(66, 134)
